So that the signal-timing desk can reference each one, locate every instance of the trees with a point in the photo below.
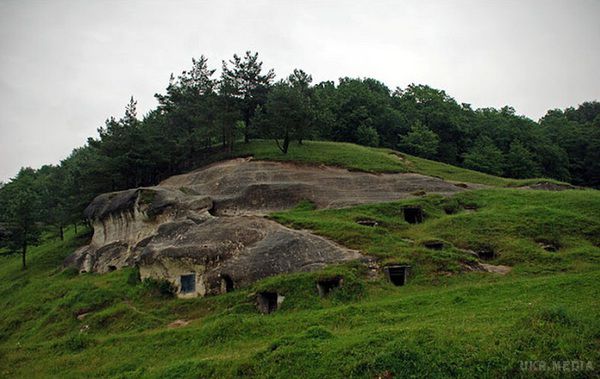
(359, 105)
(367, 136)
(20, 218)
(53, 186)
(229, 114)
(592, 157)
(420, 141)
(438, 112)
(119, 144)
(572, 132)
(286, 115)
(245, 80)
(519, 162)
(323, 102)
(189, 114)
(552, 160)
(484, 156)
(301, 81)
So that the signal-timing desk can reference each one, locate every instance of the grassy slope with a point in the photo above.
(355, 157)
(444, 322)
(511, 222)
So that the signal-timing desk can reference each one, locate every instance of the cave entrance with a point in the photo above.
(213, 210)
(226, 283)
(397, 274)
(486, 253)
(413, 214)
(367, 222)
(268, 301)
(548, 245)
(434, 245)
(188, 283)
(325, 286)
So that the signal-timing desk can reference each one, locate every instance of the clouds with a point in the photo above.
(68, 65)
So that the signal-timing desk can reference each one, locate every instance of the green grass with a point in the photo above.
(459, 174)
(369, 159)
(346, 155)
(511, 222)
(445, 322)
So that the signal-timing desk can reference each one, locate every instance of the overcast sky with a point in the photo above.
(65, 66)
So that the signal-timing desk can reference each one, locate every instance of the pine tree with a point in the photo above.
(21, 214)
(249, 84)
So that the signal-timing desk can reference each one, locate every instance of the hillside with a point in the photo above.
(450, 319)
(378, 160)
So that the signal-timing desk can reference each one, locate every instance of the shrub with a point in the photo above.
(133, 277)
(161, 287)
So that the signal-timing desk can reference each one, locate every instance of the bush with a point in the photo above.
(451, 206)
(74, 343)
(161, 287)
(557, 316)
(133, 277)
(70, 272)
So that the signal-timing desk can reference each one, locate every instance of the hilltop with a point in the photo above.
(450, 319)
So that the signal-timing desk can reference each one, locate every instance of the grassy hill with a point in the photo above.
(361, 158)
(447, 321)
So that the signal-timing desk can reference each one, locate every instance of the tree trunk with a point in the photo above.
(23, 254)
(247, 129)
(62, 233)
(75, 225)
(286, 143)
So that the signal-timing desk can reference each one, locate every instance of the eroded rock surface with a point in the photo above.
(245, 186)
(203, 231)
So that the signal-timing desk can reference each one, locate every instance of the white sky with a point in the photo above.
(65, 66)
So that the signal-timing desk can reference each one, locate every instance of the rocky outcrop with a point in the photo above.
(203, 232)
(124, 222)
(246, 186)
(228, 253)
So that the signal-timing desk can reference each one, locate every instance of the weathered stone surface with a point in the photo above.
(125, 221)
(549, 186)
(203, 232)
(245, 186)
(242, 249)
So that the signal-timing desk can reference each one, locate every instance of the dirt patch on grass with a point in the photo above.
(178, 324)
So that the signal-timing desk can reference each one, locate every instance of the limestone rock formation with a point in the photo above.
(203, 231)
